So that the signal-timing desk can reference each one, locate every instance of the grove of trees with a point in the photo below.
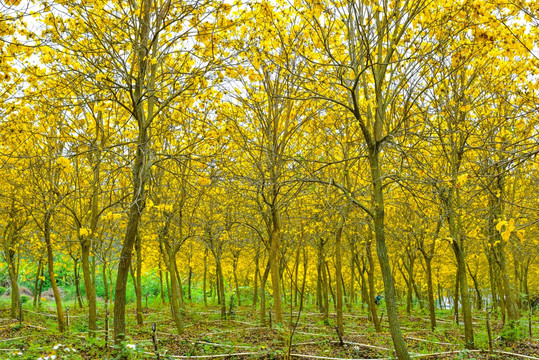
(285, 152)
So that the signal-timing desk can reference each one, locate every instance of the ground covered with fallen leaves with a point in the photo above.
(241, 336)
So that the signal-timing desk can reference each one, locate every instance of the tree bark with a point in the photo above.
(257, 275)
(274, 258)
(430, 291)
(235, 258)
(78, 297)
(38, 275)
(379, 229)
(221, 287)
(338, 279)
(370, 281)
(52, 276)
(89, 287)
(141, 166)
(14, 279)
(263, 295)
(174, 302)
(456, 298)
(138, 287)
(204, 279)
(464, 296)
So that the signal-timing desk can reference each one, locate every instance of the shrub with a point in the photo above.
(513, 331)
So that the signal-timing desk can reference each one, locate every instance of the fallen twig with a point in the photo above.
(204, 356)
(445, 353)
(517, 355)
(332, 358)
(16, 338)
(367, 346)
(434, 342)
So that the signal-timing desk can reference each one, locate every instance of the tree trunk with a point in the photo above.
(330, 286)
(217, 286)
(351, 290)
(491, 277)
(204, 279)
(174, 291)
(141, 170)
(456, 298)
(476, 287)
(370, 281)
(257, 275)
(235, 274)
(189, 277)
(36, 284)
(161, 288)
(52, 276)
(338, 279)
(464, 296)
(105, 284)
(138, 287)
(221, 287)
(14, 279)
(78, 297)
(430, 291)
(296, 270)
(274, 258)
(263, 295)
(124, 263)
(379, 229)
(89, 287)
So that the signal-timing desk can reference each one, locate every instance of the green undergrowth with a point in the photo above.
(207, 334)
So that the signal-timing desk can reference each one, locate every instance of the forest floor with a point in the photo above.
(241, 337)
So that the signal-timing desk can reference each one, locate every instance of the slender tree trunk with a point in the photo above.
(477, 291)
(141, 169)
(352, 290)
(138, 287)
(189, 276)
(204, 279)
(330, 285)
(235, 274)
(430, 291)
(338, 280)
(365, 294)
(105, 284)
(174, 291)
(491, 277)
(52, 276)
(525, 268)
(167, 280)
(370, 281)
(320, 280)
(221, 287)
(39, 273)
(456, 299)
(325, 292)
(257, 275)
(217, 286)
(275, 248)
(78, 297)
(408, 292)
(263, 295)
(14, 279)
(379, 229)
(89, 287)
(40, 287)
(162, 290)
(465, 297)
(296, 270)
